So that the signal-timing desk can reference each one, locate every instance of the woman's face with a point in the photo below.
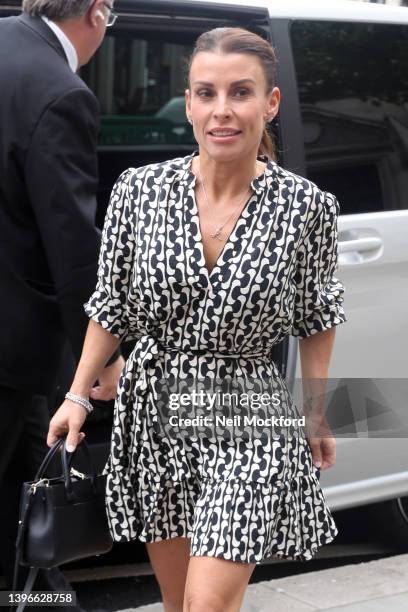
(228, 103)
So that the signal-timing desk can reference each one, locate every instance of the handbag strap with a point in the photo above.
(19, 546)
(28, 587)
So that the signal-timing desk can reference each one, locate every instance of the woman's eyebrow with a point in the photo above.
(246, 80)
(239, 82)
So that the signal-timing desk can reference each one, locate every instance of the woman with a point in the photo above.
(207, 261)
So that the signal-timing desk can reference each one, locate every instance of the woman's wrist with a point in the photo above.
(82, 401)
(80, 390)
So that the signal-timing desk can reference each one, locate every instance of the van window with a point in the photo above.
(353, 91)
(139, 81)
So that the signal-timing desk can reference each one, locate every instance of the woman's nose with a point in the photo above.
(222, 106)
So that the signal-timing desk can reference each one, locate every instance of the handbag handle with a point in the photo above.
(48, 457)
(66, 472)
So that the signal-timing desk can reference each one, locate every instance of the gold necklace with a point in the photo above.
(217, 232)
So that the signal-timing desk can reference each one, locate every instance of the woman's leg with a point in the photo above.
(170, 559)
(216, 585)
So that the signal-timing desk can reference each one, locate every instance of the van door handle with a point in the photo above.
(368, 243)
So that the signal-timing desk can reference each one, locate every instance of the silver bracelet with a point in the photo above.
(83, 401)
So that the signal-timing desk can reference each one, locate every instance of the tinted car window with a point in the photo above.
(353, 90)
(139, 81)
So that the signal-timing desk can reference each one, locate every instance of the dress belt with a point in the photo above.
(237, 355)
(140, 364)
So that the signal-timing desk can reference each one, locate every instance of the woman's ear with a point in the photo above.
(188, 104)
(273, 104)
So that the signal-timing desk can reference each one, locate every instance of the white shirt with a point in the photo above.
(67, 45)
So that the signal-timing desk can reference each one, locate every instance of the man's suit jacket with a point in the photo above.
(48, 179)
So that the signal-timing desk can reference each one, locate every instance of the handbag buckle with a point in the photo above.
(75, 472)
(42, 482)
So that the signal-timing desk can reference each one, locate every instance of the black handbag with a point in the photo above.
(61, 519)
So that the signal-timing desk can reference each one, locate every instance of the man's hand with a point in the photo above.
(108, 381)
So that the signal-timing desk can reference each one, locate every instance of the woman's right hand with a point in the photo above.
(69, 418)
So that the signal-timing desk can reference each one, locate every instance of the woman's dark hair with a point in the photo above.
(238, 40)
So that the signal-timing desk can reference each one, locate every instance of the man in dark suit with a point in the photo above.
(48, 241)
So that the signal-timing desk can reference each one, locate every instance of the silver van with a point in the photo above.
(343, 123)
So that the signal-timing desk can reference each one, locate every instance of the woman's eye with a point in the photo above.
(241, 92)
(204, 93)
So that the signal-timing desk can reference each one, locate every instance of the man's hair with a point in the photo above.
(57, 10)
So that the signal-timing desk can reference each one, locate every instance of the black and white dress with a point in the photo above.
(241, 500)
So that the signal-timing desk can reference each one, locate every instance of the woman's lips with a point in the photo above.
(224, 135)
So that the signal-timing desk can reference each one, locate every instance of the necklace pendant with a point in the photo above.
(217, 234)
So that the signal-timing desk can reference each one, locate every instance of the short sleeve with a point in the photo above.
(108, 303)
(319, 293)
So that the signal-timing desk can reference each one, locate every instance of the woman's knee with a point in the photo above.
(172, 601)
(203, 602)
(215, 584)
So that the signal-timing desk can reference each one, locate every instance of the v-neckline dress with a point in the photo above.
(237, 499)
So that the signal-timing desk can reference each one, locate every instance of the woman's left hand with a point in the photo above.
(321, 441)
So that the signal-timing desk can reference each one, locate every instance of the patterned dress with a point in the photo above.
(240, 499)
